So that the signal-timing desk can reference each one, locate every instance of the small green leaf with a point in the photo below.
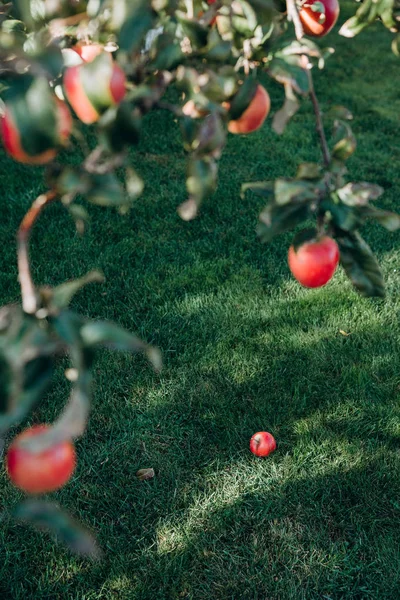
(106, 190)
(359, 194)
(195, 31)
(62, 295)
(211, 136)
(264, 189)
(243, 98)
(289, 73)
(344, 217)
(294, 190)
(133, 19)
(284, 114)
(49, 517)
(344, 141)
(389, 220)
(276, 219)
(304, 236)
(360, 264)
(72, 422)
(104, 333)
(309, 171)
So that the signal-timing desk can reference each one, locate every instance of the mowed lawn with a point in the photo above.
(245, 349)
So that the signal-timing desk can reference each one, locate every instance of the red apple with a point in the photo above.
(314, 262)
(315, 23)
(262, 443)
(40, 472)
(14, 140)
(88, 52)
(93, 87)
(254, 115)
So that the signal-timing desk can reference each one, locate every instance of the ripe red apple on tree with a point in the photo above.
(254, 115)
(314, 262)
(262, 443)
(88, 52)
(18, 137)
(92, 87)
(40, 472)
(316, 23)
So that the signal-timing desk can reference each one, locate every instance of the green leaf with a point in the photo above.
(95, 77)
(284, 114)
(344, 141)
(276, 219)
(104, 333)
(359, 194)
(49, 517)
(286, 72)
(26, 353)
(62, 295)
(389, 220)
(72, 422)
(294, 190)
(309, 170)
(80, 216)
(123, 126)
(195, 31)
(201, 178)
(304, 236)
(211, 136)
(168, 52)
(365, 15)
(360, 264)
(264, 189)
(133, 19)
(106, 190)
(243, 98)
(345, 217)
(134, 183)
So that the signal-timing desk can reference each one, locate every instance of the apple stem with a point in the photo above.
(28, 290)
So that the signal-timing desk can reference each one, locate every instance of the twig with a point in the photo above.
(28, 291)
(97, 162)
(293, 15)
(318, 118)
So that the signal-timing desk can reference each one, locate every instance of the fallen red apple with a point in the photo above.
(262, 443)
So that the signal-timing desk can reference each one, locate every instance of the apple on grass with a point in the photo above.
(262, 444)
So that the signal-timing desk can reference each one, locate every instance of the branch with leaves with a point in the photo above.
(107, 65)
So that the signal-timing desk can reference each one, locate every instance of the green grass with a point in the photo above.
(245, 349)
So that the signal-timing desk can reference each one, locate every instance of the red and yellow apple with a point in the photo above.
(17, 136)
(316, 23)
(254, 115)
(95, 85)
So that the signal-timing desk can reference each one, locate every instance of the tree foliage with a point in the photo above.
(110, 63)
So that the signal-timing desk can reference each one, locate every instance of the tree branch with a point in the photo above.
(319, 124)
(28, 291)
(293, 15)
